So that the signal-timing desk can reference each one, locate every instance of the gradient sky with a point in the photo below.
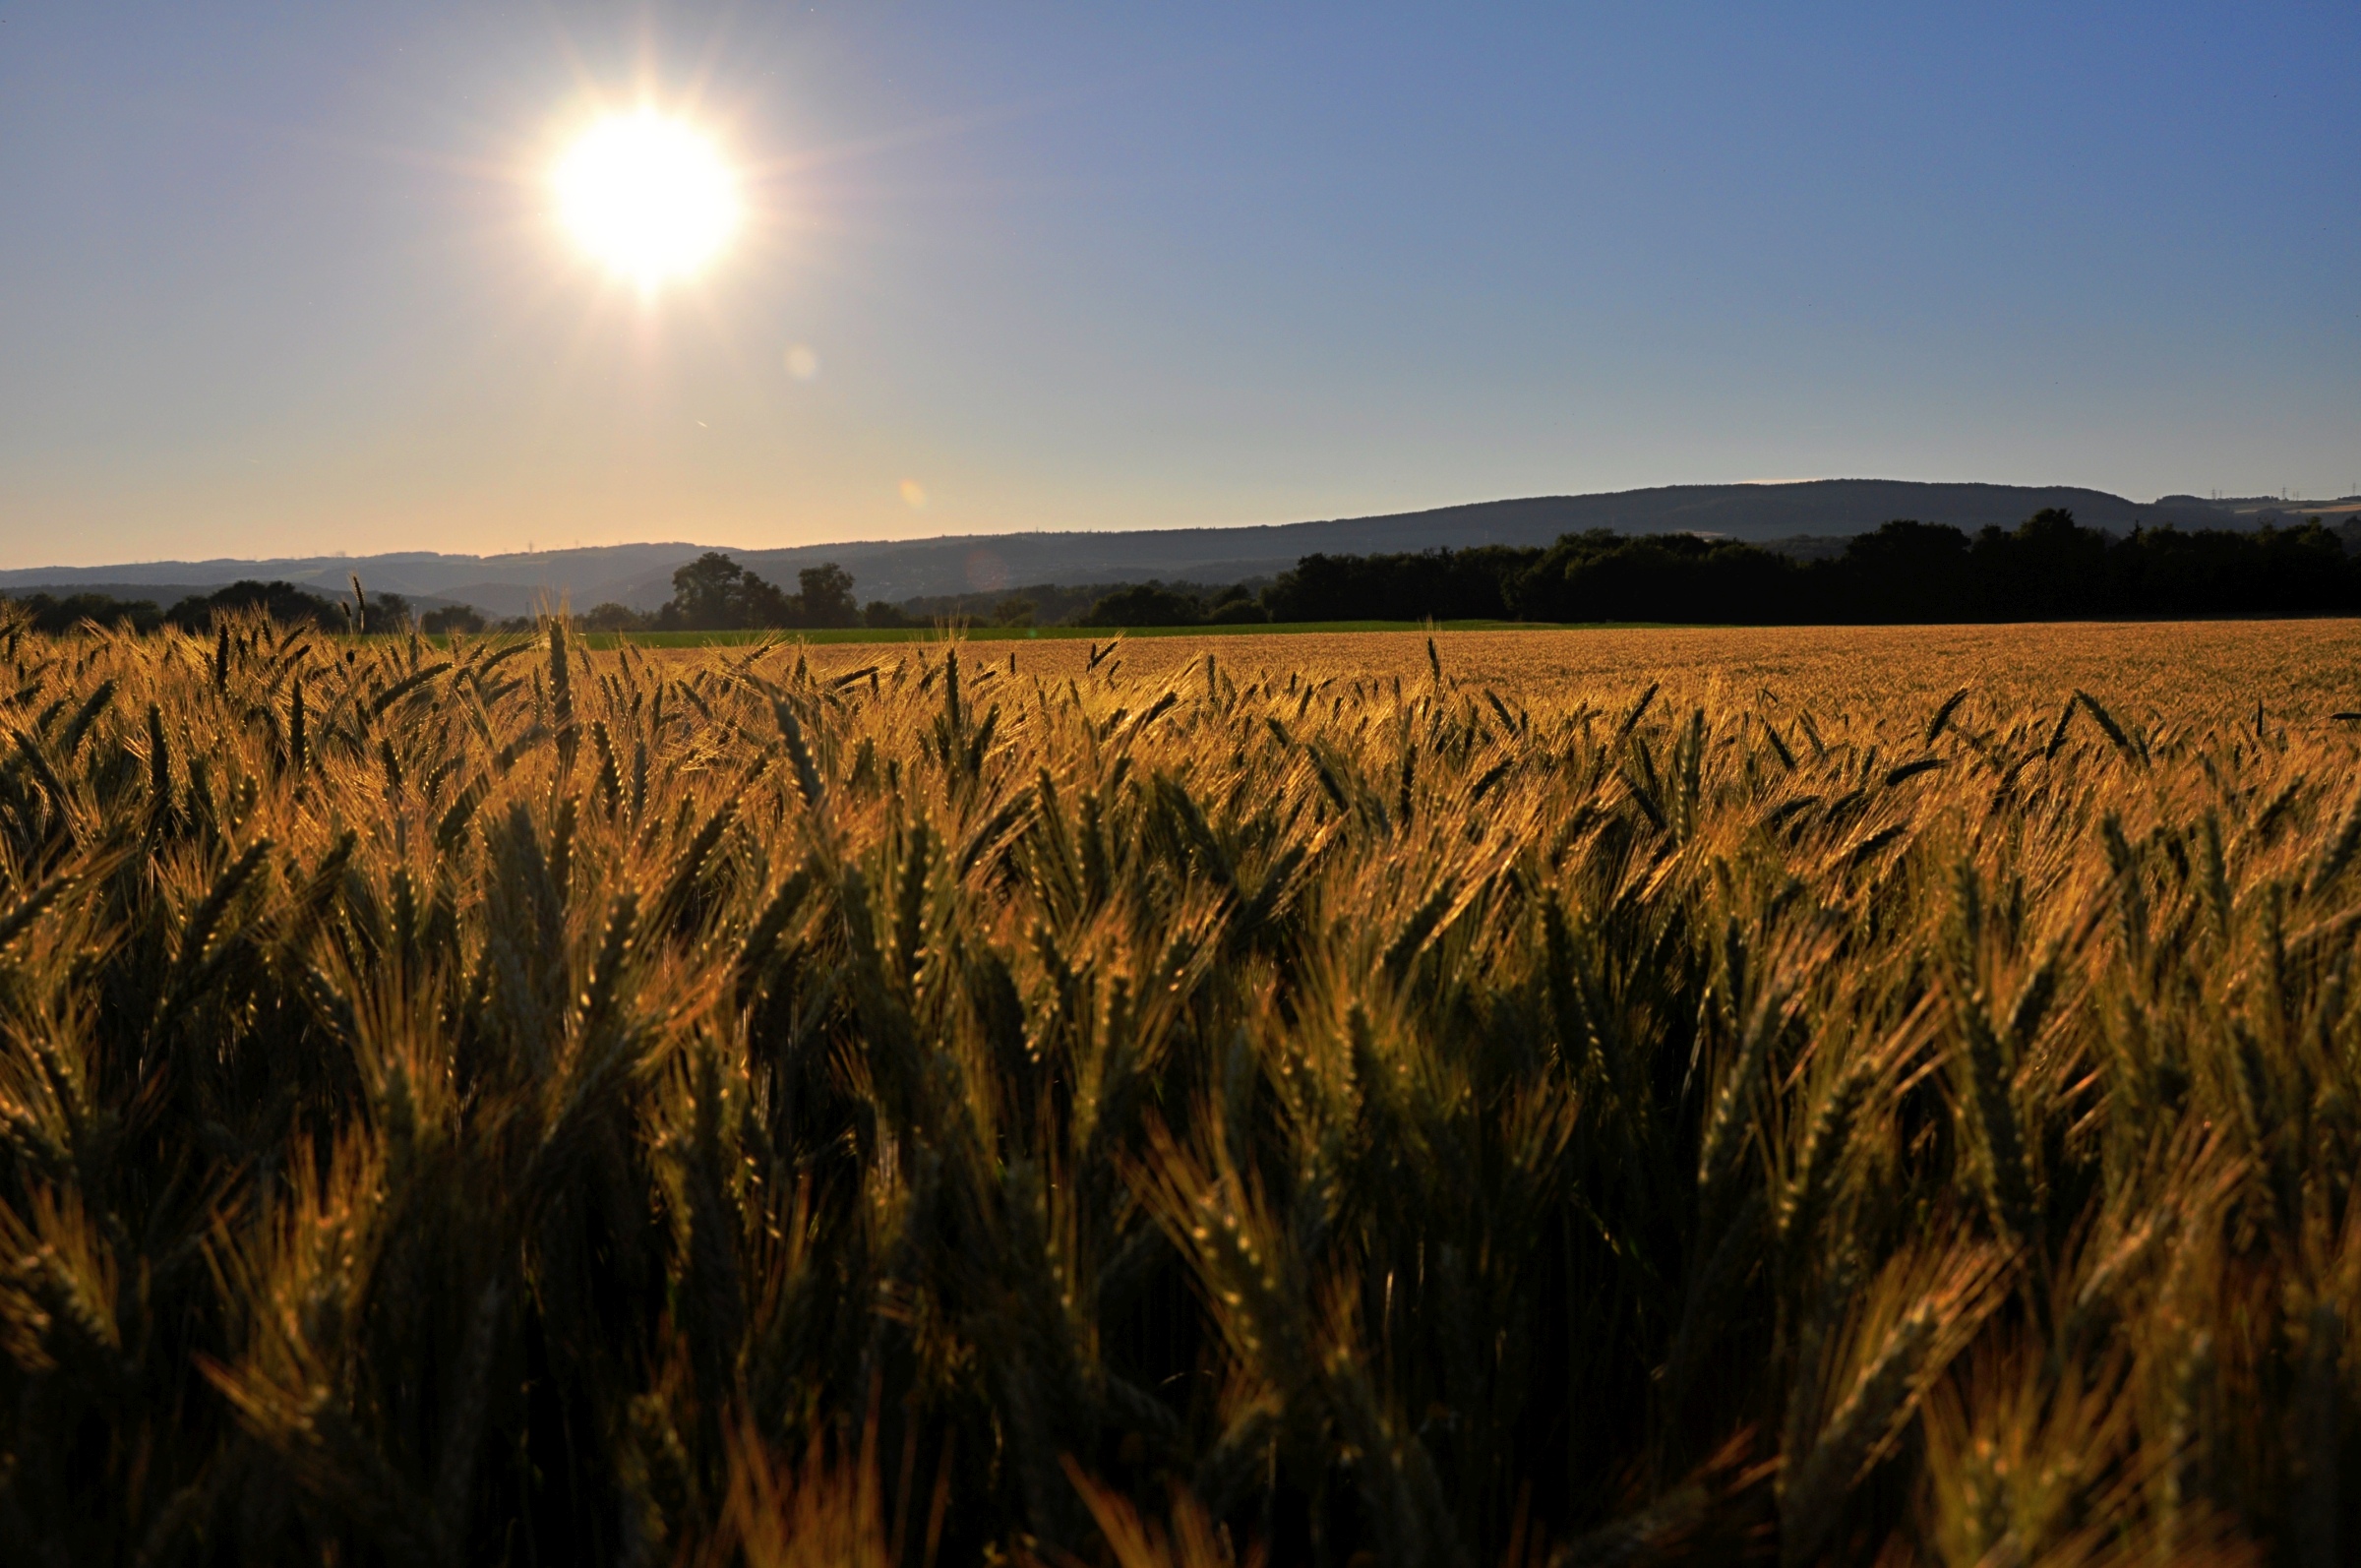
(281, 278)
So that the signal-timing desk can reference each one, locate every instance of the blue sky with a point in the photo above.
(280, 278)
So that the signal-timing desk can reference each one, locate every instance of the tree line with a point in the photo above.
(2048, 568)
(714, 593)
(284, 602)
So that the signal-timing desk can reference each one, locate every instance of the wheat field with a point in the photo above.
(1867, 1097)
(2302, 670)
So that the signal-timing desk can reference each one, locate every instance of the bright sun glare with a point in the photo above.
(647, 196)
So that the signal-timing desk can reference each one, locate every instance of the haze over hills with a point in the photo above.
(640, 575)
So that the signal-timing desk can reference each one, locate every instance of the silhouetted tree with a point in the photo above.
(55, 615)
(450, 617)
(826, 596)
(760, 604)
(610, 617)
(1441, 584)
(714, 593)
(1903, 572)
(1145, 604)
(1605, 576)
(386, 613)
(2047, 567)
(707, 594)
(284, 602)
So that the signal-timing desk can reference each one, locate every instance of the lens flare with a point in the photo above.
(647, 196)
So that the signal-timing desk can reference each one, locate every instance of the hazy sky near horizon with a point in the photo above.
(282, 277)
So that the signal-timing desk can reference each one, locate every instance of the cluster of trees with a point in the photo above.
(52, 614)
(2048, 568)
(1474, 584)
(1092, 604)
(450, 617)
(285, 602)
(1145, 604)
(714, 593)
(290, 605)
(1032, 604)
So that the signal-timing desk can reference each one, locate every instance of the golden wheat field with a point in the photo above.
(1864, 1097)
(2304, 670)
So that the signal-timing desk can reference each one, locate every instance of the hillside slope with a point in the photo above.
(640, 575)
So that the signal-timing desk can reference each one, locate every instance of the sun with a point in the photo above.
(647, 196)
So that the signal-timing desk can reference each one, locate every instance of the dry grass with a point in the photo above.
(1538, 1098)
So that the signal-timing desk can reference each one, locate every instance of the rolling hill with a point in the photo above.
(640, 575)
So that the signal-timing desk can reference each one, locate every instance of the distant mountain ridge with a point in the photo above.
(640, 575)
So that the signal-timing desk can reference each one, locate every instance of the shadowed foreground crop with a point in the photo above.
(521, 1106)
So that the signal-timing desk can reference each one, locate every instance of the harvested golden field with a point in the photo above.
(1570, 1098)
